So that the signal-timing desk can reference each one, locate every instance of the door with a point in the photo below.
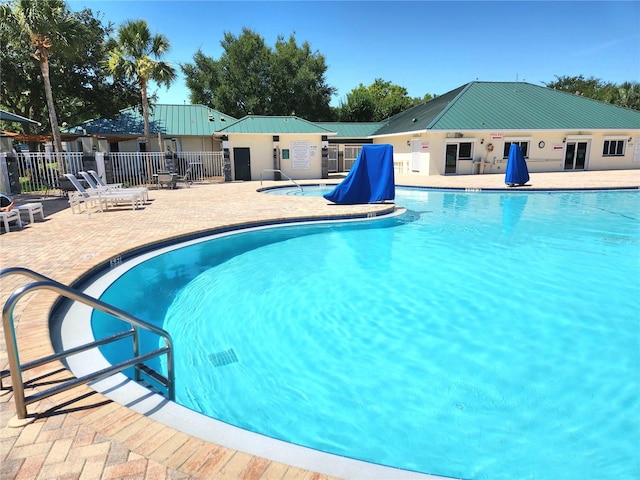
(416, 144)
(451, 158)
(575, 157)
(242, 163)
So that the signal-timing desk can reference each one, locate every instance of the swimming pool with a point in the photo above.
(485, 335)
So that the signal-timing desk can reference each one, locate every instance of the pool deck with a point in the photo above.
(80, 434)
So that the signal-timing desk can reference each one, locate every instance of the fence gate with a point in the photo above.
(333, 159)
(351, 153)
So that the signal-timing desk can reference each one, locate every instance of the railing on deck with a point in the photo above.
(41, 171)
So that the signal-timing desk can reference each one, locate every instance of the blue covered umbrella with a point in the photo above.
(517, 172)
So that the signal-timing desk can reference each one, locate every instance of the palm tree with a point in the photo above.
(50, 27)
(629, 93)
(136, 56)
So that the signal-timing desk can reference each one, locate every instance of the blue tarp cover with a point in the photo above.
(517, 172)
(370, 180)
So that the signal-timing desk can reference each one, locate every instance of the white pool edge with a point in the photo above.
(75, 330)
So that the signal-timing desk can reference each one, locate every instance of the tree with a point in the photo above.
(136, 56)
(83, 89)
(50, 27)
(625, 95)
(359, 106)
(420, 100)
(629, 95)
(243, 75)
(251, 78)
(201, 77)
(374, 103)
(297, 81)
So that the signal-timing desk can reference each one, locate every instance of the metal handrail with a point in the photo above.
(282, 173)
(15, 369)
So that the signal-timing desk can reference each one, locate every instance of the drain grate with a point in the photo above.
(226, 357)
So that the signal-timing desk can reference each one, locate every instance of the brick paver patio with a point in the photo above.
(81, 434)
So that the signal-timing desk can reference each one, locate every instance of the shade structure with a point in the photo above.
(517, 171)
(12, 117)
(370, 180)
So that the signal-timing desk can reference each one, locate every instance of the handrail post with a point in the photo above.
(171, 372)
(136, 352)
(14, 361)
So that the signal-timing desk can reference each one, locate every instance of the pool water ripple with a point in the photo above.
(492, 336)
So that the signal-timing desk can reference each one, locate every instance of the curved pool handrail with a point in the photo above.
(282, 173)
(43, 282)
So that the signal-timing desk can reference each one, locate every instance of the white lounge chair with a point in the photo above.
(102, 198)
(114, 188)
(100, 182)
(10, 216)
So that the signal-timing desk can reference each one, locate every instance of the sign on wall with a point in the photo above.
(300, 157)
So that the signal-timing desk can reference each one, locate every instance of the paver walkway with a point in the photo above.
(81, 434)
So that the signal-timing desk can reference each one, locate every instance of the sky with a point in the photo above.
(424, 46)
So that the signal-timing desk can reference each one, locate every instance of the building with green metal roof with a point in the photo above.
(465, 131)
(470, 129)
(345, 145)
(259, 146)
(180, 127)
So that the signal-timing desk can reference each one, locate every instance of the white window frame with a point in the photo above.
(519, 141)
(619, 140)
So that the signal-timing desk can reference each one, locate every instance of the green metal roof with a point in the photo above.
(418, 117)
(183, 120)
(351, 129)
(510, 106)
(12, 117)
(474, 106)
(274, 125)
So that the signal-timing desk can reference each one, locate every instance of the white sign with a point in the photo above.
(300, 155)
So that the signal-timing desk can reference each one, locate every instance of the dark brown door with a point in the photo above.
(242, 163)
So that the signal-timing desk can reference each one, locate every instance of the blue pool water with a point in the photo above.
(479, 335)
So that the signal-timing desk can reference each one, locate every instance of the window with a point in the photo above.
(524, 146)
(464, 151)
(455, 152)
(613, 148)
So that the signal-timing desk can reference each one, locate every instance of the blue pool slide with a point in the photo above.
(370, 180)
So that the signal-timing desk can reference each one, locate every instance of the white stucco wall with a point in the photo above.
(198, 144)
(546, 158)
(261, 153)
(314, 169)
